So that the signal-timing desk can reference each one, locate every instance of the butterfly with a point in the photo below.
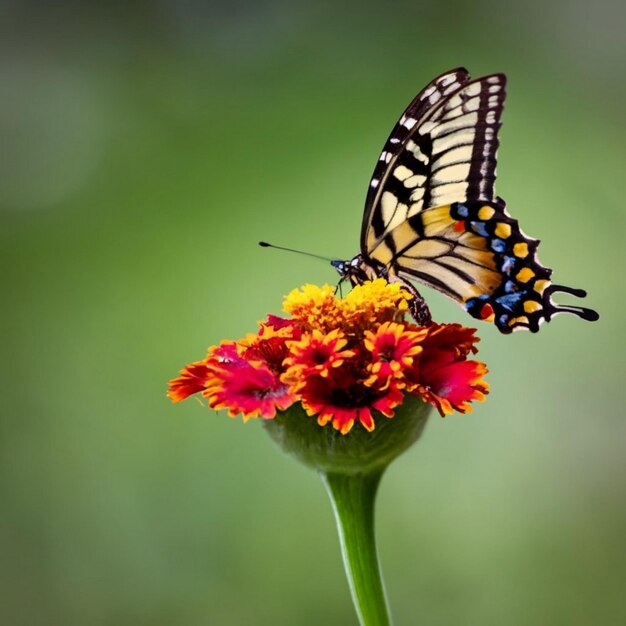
(431, 213)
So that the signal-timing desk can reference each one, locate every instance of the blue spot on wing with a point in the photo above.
(462, 210)
(508, 264)
(510, 300)
(498, 245)
(479, 228)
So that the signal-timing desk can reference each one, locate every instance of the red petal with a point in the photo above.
(192, 379)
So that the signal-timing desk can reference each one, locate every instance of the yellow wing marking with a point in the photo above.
(456, 262)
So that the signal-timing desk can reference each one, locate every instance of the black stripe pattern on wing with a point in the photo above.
(449, 156)
(432, 95)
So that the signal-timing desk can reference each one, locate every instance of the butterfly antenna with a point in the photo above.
(264, 244)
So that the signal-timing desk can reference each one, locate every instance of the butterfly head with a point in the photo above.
(340, 266)
(357, 270)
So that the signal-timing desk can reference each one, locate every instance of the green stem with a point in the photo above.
(352, 497)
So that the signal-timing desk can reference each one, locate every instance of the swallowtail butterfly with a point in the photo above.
(432, 215)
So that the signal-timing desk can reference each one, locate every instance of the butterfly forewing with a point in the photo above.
(448, 155)
(462, 135)
(433, 94)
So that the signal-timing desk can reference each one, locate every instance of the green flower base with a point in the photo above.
(327, 450)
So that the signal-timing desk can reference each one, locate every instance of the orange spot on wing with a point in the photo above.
(486, 313)
(525, 274)
(530, 306)
(459, 226)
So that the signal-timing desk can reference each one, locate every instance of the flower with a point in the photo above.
(443, 376)
(393, 349)
(317, 353)
(344, 398)
(249, 386)
(344, 360)
(192, 379)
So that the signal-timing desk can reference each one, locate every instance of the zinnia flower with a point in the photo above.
(344, 360)
(335, 366)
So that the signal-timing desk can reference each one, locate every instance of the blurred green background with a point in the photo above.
(146, 148)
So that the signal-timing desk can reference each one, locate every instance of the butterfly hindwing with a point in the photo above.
(476, 254)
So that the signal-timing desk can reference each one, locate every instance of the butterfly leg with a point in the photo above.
(338, 289)
(417, 305)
